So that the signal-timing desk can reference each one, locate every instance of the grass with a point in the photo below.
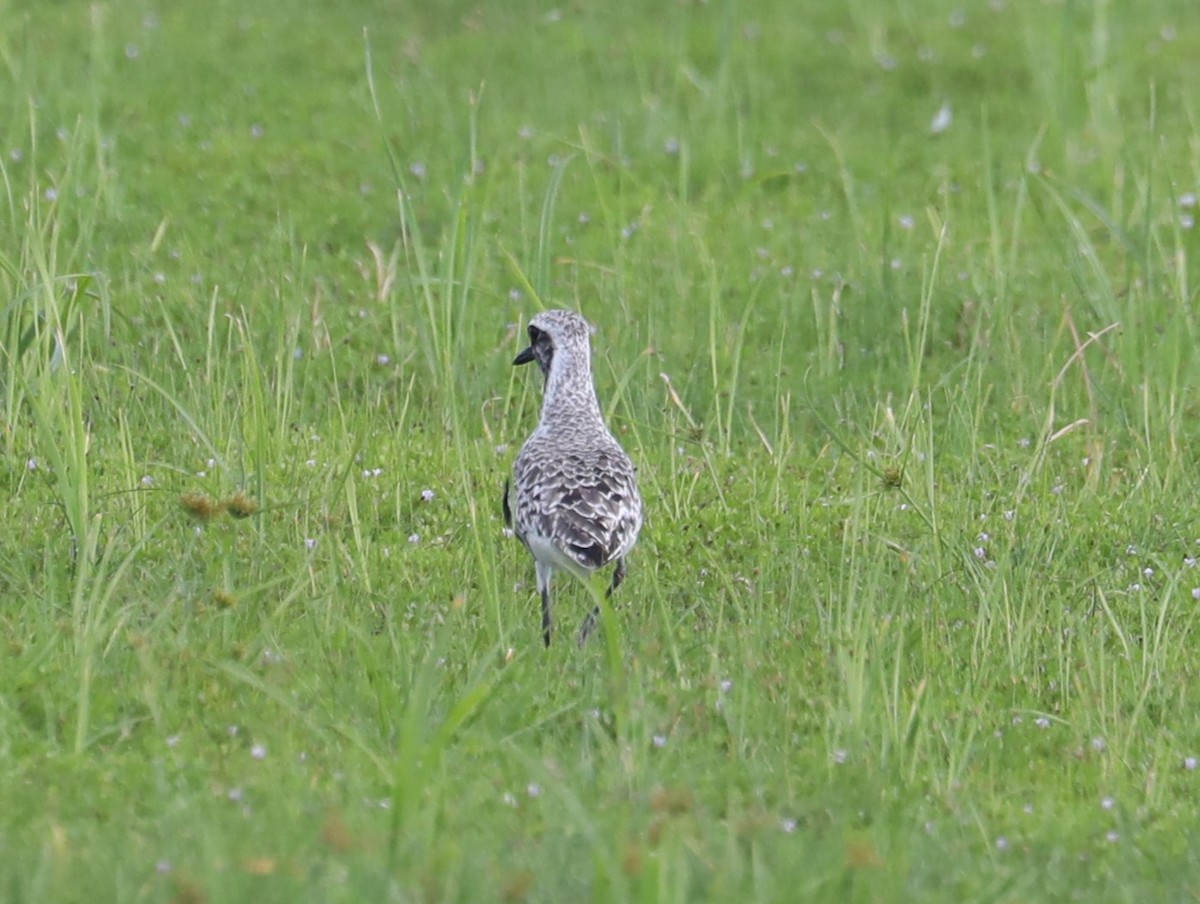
(914, 614)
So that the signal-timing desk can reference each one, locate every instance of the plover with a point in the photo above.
(573, 499)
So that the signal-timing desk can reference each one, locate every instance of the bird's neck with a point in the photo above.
(570, 393)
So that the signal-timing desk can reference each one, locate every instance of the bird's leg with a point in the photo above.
(546, 616)
(588, 626)
(589, 623)
(618, 577)
(543, 580)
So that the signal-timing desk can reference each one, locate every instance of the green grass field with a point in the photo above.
(896, 312)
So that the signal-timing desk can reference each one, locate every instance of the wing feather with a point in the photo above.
(586, 504)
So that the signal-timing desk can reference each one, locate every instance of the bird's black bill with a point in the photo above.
(524, 358)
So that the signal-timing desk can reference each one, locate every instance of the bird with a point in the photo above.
(572, 499)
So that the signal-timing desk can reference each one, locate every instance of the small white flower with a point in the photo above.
(509, 799)
(162, 867)
(173, 741)
(417, 168)
(1099, 745)
(427, 495)
(906, 221)
(533, 789)
(235, 794)
(942, 119)
(1002, 843)
(1148, 572)
(1112, 836)
(1107, 803)
(31, 465)
(310, 543)
(1190, 763)
(980, 552)
(725, 685)
(839, 756)
(259, 751)
(147, 481)
(414, 539)
(383, 360)
(1010, 515)
(1041, 722)
(660, 741)
(787, 825)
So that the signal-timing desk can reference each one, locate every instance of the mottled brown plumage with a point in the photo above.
(573, 500)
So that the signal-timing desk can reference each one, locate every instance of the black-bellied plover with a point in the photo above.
(573, 500)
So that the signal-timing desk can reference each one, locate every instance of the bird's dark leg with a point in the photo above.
(618, 576)
(545, 575)
(589, 623)
(546, 615)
